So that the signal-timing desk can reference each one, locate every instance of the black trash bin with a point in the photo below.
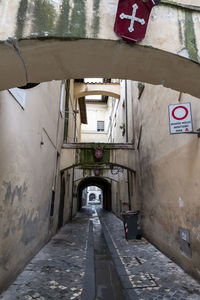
(132, 227)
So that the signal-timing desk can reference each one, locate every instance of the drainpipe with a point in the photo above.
(75, 126)
(75, 120)
(126, 111)
(110, 137)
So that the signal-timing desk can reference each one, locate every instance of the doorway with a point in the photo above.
(62, 203)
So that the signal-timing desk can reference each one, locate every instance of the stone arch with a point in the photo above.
(65, 41)
(105, 89)
(53, 59)
(110, 164)
(100, 182)
(91, 196)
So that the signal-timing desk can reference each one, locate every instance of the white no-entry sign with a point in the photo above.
(180, 118)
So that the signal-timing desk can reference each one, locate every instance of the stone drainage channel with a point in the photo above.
(96, 262)
(105, 277)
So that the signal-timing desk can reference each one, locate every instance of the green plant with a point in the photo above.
(123, 128)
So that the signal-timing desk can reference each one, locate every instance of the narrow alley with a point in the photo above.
(99, 149)
(89, 258)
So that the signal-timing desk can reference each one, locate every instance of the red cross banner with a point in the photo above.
(132, 18)
(98, 153)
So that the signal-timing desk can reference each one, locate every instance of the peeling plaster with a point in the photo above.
(30, 227)
(44, 17)
(190, 38)
(78, 19)
(63, 20)
(96, 18)
(11, 194)
(21, 17)
(196, 232)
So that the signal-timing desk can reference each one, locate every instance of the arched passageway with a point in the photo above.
(58, 59)
(100, 182)
(105, 89)
(77, 44)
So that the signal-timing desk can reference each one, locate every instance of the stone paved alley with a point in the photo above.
(139, 270)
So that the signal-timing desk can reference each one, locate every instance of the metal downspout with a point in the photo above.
(126, 111)
(75, 119)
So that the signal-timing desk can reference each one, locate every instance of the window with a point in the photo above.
(100, 125)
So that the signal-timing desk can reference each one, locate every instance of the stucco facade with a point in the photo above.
(89, 132)
(31, 139)
(167, 175)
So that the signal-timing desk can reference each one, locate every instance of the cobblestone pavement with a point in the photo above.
(57, 271)
(151, 273)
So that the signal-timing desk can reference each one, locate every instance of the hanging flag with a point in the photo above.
(96, 172)
(98, 152)
(132, 18)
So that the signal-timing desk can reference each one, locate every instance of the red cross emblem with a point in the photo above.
(98, 153)
(96, 172)
(132, 18)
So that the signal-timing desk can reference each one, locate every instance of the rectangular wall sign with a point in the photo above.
(180, 118)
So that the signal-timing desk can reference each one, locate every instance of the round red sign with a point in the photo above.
(175, 115)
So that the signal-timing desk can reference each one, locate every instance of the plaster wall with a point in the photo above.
(117, 114)
(188, 3)
(120, 201)
(89, 133)
(29, 172)
(115, 203)
(117, 111)
(69, 157)
(67, 212)
(167, 175)
(123, 191)
(94, 137)
(114, 119)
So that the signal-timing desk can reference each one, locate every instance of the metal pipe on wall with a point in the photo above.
(126, 112)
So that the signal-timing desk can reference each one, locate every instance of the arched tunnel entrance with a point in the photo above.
(100, 182)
